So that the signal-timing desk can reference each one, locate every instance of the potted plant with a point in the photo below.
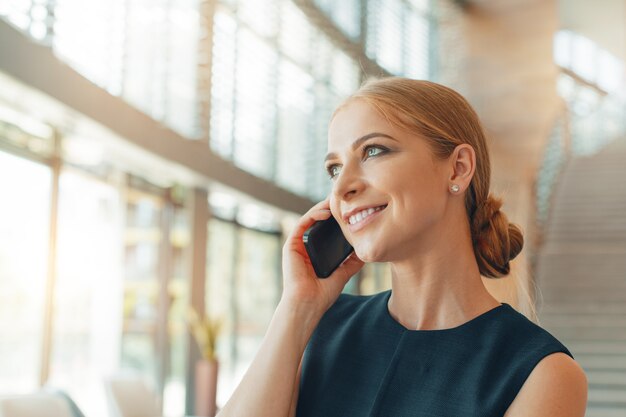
(205, 331)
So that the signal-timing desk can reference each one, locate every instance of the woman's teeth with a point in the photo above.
(363, 214)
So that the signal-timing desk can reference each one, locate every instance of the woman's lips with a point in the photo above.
(360, 225)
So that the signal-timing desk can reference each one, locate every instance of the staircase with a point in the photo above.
(581, 273)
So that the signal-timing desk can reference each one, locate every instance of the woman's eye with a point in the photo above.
(333, 171)
(373, 151)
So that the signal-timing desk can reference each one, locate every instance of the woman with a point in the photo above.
(410, 177)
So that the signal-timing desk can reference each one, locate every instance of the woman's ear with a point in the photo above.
(463, 163)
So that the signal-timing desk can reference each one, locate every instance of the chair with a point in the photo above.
(130, 396)
(39, 404)
(76, 411)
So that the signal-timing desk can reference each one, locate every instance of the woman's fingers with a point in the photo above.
(300, 284)
(320, 211)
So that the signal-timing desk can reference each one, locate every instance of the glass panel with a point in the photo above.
(346, 14)
(220, 281)
(145, 60)
(274, 133)
(178, 294)
(584, 58)
(88, 34)
(563, 48)
(324, 105)
(610, 72)
(416, 40)
(420, 5)
(243, 288)
(25, 131)
(223, 84)
(275, 136)
(87, 316)
(373, 25)
(294, 128)
(295, 34)
(223, 205)
(143, 239)
(24, 233)
(144, 50)
(390, 23)
(255, 126)
(17, 12)
(257, 292)
(323, 51)
(182, 63)
(260, 16)
(398, 36)
(257, 217)
(345, 74)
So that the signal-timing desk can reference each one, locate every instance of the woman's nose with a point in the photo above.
(348, 183)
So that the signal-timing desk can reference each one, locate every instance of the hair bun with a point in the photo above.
(496, 241)
(484, 214)
(491, 207)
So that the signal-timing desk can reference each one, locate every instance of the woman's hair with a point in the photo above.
(445, 119)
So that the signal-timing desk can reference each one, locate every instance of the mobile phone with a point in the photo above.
(326, 245)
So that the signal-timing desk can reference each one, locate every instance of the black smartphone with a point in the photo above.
(326, 245)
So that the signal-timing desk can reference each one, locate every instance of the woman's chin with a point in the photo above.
(368, 255)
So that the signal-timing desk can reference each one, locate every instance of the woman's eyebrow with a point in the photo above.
(359, 141)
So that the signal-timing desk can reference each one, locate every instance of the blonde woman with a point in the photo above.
(410, 178)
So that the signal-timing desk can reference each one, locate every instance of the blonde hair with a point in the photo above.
(445, 119)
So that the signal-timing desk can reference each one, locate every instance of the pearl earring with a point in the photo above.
(455, 188)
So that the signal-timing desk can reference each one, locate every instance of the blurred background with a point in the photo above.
(155, 154)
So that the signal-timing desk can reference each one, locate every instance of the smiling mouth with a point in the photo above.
(364, 215)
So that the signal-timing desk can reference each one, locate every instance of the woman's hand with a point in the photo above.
(269, 388)
(301, 286)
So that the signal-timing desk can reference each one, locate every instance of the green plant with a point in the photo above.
(205, 332)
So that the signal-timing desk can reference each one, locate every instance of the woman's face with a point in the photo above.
(389, 172)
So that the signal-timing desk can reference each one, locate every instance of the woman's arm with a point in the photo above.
(557, 387)
(268, 388)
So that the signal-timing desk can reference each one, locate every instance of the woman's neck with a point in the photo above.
(440, 289)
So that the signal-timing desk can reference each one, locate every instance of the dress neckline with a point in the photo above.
(476, 319)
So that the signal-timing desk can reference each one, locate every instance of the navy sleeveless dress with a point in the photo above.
(360, 362)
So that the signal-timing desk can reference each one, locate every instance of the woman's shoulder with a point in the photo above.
(350, 310)
(553, 382)
(527, 335)
(353, 304)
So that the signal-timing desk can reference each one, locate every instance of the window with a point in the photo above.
(255, 97)
(243, 288)
(88, 292)
(145, 51)
(345, 14)
(399, 36)
(143, 239)
(591, 83)
(148, 53)
(24, 228)
(271, 117)
(296, 138)
(219, 298)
